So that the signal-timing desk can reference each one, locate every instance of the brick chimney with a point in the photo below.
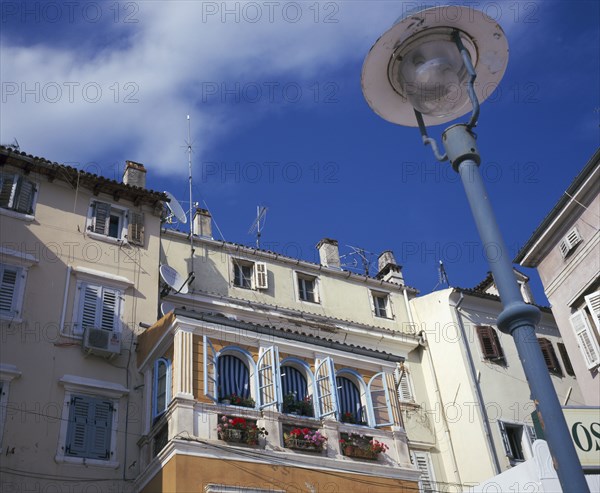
(389, 270)
(135, 174)
(329, 253)
(203, 223)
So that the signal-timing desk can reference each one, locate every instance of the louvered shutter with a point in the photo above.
(110, 308)
(8, 288)
(326, 388)
(593, 303)
(505, 440)
(404, 387)
(135, 228)
(379, 400)
(7, 189)
(490, 343)
(25, 193)
(80, 414)
(565, 358)
(90, 296)
(269, 390)
(260, 275)
(210, 371)
(101, 218)
(423, 463)
(100, 429)
(549, 356)
(586, 339)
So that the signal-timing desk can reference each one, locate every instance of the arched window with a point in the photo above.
(234, 380)
(350, 406)
(161, 395)
(295, 391)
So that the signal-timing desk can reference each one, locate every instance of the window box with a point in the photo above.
(236, 400)
(239, 430)
(302, 407)
(307, 439)
(361, 446)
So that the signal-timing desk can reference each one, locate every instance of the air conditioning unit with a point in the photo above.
(106, 343)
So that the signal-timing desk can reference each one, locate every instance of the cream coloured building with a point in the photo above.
(79, 273)
(282, 345)
(482, 405)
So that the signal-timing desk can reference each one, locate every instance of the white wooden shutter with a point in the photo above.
(135, 228)
(405, 392)
(379, 400)
(326, 388)
(588, 345)
(90, 301)
(101, 218)
(422, 462)
(8, 288)
(101, 430)
(109, 318)
(593, 303)
(269, 378)
(261, 280)
(25, 194)
(210, 371)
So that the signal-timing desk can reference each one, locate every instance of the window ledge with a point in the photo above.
(109, 464)
(74, 383)
(122, 281)
(11, 318)
(17, 215)
(107, 239)
(9, 255)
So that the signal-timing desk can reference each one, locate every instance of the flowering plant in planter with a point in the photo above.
(304, 439)
(360, 446)
(239, 430)
(237, 400)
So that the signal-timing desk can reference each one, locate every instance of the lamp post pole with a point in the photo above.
(517, 318)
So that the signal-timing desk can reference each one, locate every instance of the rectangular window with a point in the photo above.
(99, 308)
(307, 288)
(549, 356)
(490, 344)
(89, 428)
(17, 193)
(381, 305)
(113, 222)
(250, 275)
(565, 358)
(11, 293)
(161, 387)
(517, 440)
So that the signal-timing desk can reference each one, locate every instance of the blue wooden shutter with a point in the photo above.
(8, 287)
(90, 427)
(211, 389)
(379, 400)
(269, 390)
(326, 389)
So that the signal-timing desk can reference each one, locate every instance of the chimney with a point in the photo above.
(135, 174)
(203, 223)
(389, 270)
(329, 253)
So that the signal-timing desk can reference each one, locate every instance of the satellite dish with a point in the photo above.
(166, 307)
(176, 209)
(174, 279)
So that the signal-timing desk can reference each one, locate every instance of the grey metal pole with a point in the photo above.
(517, 318)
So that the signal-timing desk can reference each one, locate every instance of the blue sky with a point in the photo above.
(278, 118)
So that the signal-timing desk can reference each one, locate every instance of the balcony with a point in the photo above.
(193, 427)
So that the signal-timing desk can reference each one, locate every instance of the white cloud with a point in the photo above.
(131, 94)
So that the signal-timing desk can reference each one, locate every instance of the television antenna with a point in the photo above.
(259, 223)
(356, 256)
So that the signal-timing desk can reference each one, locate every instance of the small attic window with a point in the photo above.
(569, 242)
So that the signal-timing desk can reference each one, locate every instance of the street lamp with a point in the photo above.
(422, 72)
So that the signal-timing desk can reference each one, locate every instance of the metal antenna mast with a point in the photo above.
(257, 227)
(189, 148)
